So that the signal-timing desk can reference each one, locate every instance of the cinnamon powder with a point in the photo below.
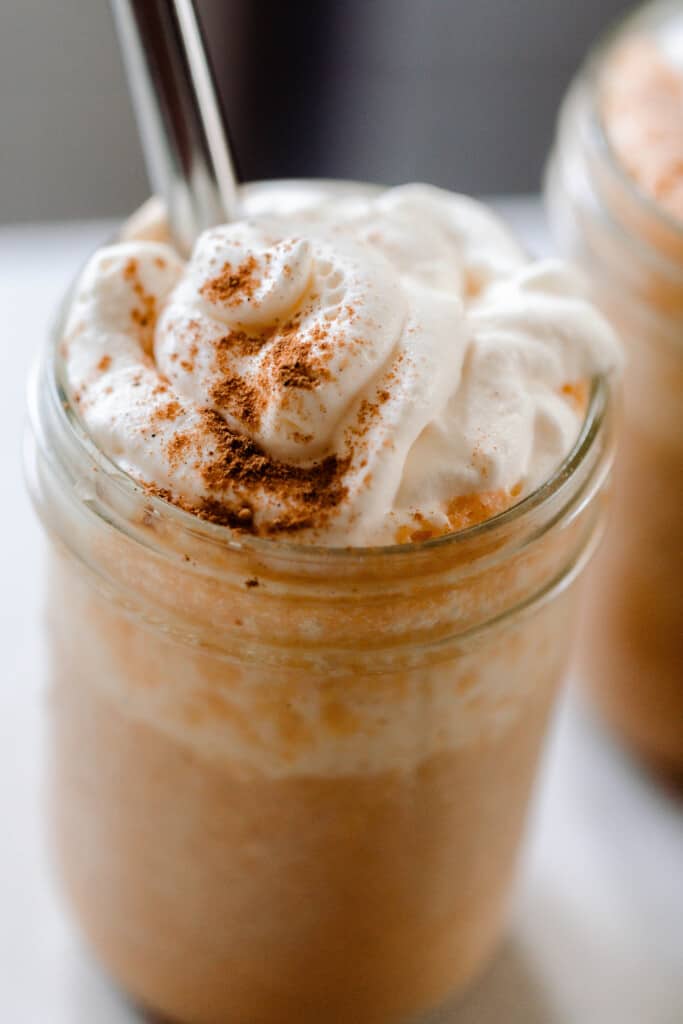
(236, 395)
(307, 495)
(296, 360)
(144, 314)
(233, 286)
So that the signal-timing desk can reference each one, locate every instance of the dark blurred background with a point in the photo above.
(461, 93)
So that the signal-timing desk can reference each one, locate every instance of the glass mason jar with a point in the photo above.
(288, 782)
(633, 253)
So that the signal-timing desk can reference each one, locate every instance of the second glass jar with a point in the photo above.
(632, 657)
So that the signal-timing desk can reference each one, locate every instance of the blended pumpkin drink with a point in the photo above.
(318, 497)
(615, 193)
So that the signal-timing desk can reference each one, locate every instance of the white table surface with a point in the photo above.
(597, 932)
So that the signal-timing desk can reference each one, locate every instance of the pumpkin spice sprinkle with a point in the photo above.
(331, 373)
(233, 285)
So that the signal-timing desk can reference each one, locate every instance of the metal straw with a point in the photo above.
(179, 118)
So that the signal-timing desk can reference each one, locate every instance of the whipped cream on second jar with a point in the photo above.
(344, 368)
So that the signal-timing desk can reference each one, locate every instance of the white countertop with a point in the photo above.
(597, 934)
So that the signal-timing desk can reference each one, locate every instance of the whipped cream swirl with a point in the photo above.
(344, 368)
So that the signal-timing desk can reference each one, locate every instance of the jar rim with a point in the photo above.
(48, 397)
(70, 426)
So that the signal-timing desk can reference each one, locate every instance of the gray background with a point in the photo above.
(459, 92)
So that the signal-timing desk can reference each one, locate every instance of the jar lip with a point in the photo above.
(69, 424)
(642, 17)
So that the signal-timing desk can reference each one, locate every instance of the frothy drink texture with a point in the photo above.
(289, 782)
(643, 113)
